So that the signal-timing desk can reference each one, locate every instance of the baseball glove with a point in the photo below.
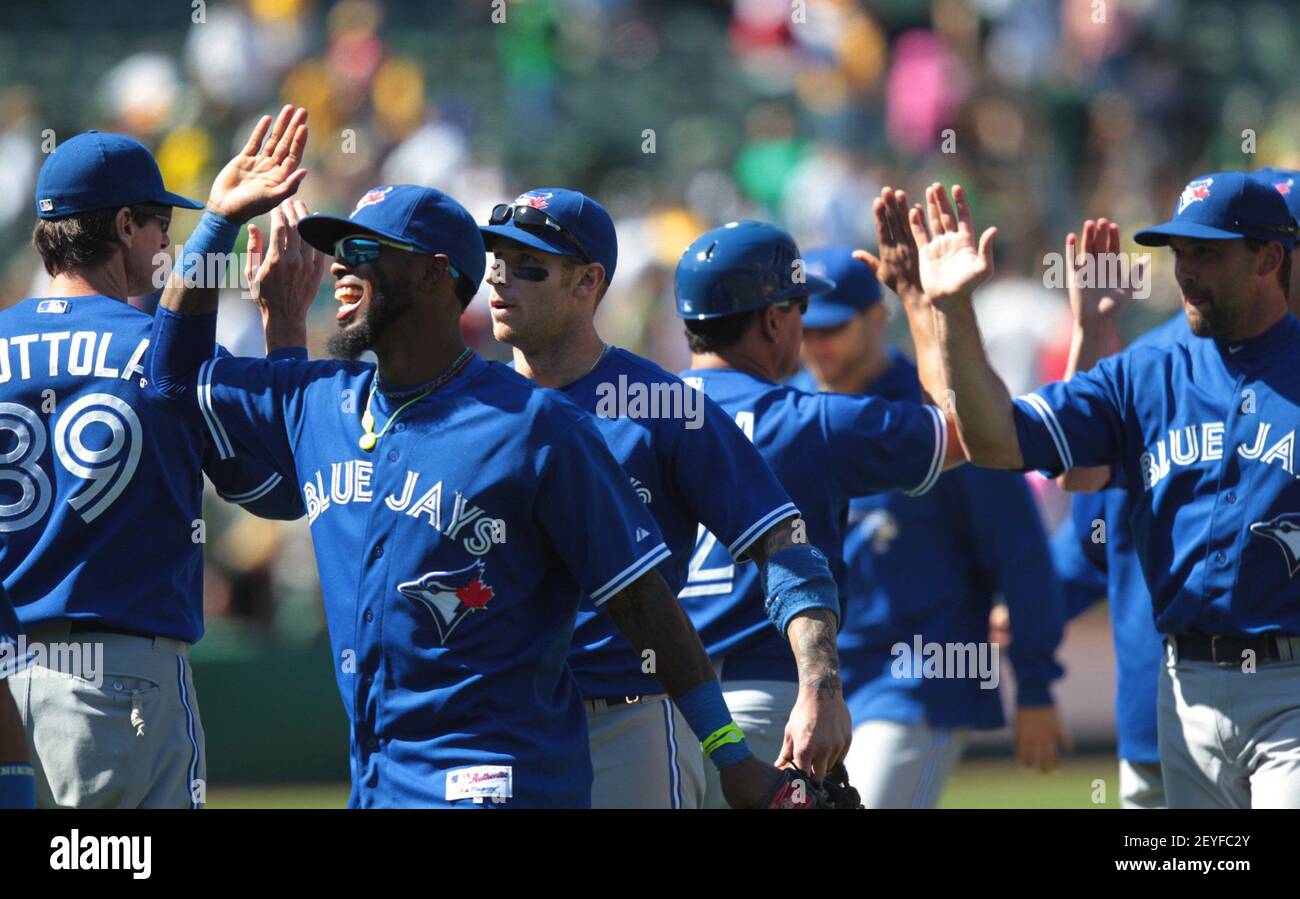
(800, 791)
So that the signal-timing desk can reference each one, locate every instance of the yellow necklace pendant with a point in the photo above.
(367, 441)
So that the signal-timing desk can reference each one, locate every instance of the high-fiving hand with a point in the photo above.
(283, 275)
(263, 174)
(1099, 285)
(952, 264)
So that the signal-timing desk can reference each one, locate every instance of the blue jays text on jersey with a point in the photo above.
(450, 646)
(93, 474)
(1201, 434)
(930, 566)
(694, 472)
(825, 449)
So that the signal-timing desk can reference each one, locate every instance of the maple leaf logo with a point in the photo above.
(475, 594)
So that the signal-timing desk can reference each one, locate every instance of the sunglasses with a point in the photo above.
(164, 218)
(530, 218)
(355, 252)
(1289, 230)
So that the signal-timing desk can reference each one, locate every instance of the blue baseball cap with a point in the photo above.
(422, 217)
(590, 230)
(95, 170)
(1287, 183)
(856, 287)
(1226, 206)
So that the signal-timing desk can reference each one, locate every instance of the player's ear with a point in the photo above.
(124, 227)
(589, 283)
(770, 323)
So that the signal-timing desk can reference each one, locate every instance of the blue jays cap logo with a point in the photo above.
(450, 595)
(1285, 532)
(1196, 190)
(371, 198)
(535, 200)
(1284, 187)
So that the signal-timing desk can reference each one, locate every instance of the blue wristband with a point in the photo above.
(17, 786)
(798, 578)
(706, 712)
(208, 249)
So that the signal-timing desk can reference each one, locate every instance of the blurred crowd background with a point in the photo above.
(678, 116)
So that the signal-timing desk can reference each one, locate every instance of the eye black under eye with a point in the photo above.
(530, 273)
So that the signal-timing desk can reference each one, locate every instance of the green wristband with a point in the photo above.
(728, 733)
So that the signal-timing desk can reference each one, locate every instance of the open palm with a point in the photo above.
(952, 264)
(1099, 283)
(262, 175)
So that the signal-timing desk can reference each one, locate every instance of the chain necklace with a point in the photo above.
(368, 439)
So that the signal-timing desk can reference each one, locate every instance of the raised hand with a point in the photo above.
(266, 171)
(1099, 285)
(899, 265)
(952, 264)
(283, 274)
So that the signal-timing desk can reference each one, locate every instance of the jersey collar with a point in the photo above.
(1281, 335)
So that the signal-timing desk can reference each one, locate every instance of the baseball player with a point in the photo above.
(555, 253)
(741, 290)
(458, 514)
(102, 496)
(1201, 436)
(1094, 554)
(928, 568)
(1096, 561)
(17, 778)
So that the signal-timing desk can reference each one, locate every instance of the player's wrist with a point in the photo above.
(17, 785)
(214, 236)
(706, 712)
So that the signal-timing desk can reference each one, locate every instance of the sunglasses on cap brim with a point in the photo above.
(357, 251)
(530, 218)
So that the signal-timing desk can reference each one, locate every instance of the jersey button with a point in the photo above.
(379, 551)
(392, 455)
(1220, 559)
(370, 679)
(369, 616)
(1230, 498)
(373, 742)
(399, 427)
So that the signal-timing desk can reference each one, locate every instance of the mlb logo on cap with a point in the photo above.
(97, 170)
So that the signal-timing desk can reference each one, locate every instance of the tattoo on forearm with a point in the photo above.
(815, 653)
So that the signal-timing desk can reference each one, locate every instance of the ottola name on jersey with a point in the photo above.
(1204, 443)
(76, 353)
(349, 482)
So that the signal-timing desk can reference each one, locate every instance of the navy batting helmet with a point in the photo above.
(739, 267)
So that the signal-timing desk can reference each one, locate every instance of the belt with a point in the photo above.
(1232, 651)
(596, 706)
(90, 626)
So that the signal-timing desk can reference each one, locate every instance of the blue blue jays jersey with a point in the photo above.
(452, 559)
(9, 627)
(930, 567)
(1095, 556)
(693, 468)
(1201, 434)
(10, 663)
(825, 449)
(100, 491)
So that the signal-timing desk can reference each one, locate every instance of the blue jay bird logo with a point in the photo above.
(1285, 532)
(450, 595)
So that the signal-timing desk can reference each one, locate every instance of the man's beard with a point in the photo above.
(387, 304)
